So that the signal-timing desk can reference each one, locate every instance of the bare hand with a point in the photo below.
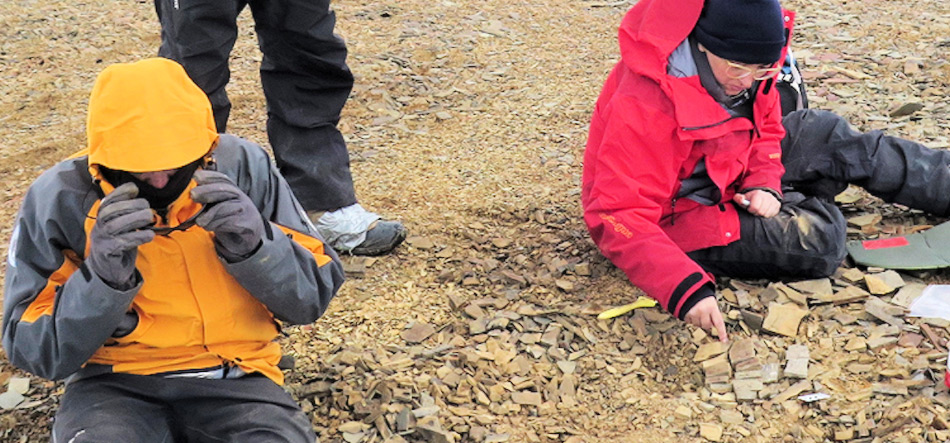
(758, 202)
(706, 315)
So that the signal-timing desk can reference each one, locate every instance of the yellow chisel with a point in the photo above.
(642, 302)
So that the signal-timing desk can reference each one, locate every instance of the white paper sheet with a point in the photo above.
(933, 302)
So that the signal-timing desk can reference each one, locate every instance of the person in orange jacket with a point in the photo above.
(153, 271)
(691, 170)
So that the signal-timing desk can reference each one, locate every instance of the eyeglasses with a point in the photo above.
(167, 230)
(739, 71)
(183, 226)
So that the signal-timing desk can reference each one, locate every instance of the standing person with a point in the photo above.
(153, 270)
(690, 168)
(306, 83)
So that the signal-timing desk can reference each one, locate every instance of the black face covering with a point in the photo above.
(158, 199)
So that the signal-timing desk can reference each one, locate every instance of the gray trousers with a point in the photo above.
(154, 409)
(822, 154)
(304, 74)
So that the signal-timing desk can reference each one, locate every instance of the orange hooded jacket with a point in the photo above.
(194, 311)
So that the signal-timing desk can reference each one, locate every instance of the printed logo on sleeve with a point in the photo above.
(11, 252)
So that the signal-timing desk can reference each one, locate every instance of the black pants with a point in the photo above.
(153, 409)
(304, 74)
(822, 154)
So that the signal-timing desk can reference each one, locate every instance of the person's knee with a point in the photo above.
(797, 119)
(815, 124)
(823, 231)
(827, 263)
(820, 258)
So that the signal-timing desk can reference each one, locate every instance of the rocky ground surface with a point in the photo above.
(468, 123)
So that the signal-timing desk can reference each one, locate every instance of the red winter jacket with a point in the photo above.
(648, 132)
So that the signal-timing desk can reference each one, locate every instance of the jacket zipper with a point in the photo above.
(755, 127)
(673, 212)
(696, 128)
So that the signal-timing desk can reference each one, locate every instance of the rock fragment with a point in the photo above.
(418, 332)
(784, 319)
(710, 431)
(796, 365)
(709, 350)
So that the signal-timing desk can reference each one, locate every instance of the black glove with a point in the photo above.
(229, 213)
(117, 234)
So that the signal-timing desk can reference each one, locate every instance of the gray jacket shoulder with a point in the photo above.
(57, 203)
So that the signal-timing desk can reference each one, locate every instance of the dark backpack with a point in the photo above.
(791, 86)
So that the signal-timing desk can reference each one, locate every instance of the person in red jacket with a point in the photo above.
(691, 169)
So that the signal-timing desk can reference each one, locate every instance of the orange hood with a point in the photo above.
(148, 116)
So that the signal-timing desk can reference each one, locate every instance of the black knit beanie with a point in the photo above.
(745, 31)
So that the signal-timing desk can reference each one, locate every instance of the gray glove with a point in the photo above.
(117, 234)
(230, 214)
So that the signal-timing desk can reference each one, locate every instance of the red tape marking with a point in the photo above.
(893, 242)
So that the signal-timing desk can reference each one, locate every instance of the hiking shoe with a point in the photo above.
(357, 231)
(381, 238)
